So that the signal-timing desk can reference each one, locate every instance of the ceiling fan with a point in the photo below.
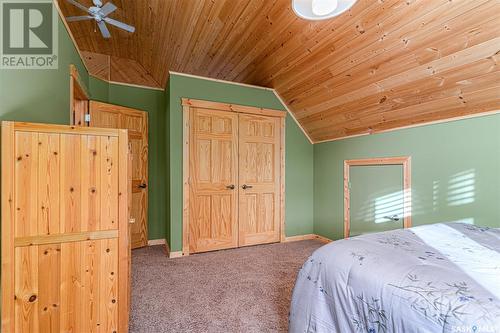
(99, 13)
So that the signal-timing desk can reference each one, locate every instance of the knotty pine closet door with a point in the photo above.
(213, 179)
(233, 176)
(259, 179)
(65, 242)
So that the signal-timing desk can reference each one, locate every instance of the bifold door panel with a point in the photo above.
(65, 245)
(233, 190)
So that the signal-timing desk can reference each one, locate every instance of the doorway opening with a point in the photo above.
(386, 204)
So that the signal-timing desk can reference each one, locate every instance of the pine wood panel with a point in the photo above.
(260, 170)
(136, 122)
(225, 147)
(63, 215)
(340, 77)
(213, 167)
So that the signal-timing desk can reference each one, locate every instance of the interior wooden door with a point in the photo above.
(113, 116)
(259, 179)
(65, 246)
(213, 180)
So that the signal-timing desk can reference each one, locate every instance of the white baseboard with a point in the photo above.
(156, 241)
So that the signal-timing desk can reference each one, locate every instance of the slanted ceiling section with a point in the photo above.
(384, 64)
(115, 69)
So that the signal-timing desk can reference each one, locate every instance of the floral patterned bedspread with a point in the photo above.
(432, 278)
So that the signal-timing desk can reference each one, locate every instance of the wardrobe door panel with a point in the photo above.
(259, 179)
(65, 244)
(213, 176)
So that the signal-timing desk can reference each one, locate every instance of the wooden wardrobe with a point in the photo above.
(233, 176)
(65, 238)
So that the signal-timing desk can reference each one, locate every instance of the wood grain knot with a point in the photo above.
(32, 298)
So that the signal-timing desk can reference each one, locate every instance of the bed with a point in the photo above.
(432, 278)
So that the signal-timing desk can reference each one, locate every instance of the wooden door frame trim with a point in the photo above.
(232, 107)
(124, 203)
(8, 213)
(187, 104)
(77, 91)
(185, 178)
(405, 161)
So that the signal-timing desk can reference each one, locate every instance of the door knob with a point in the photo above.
(142, 186)
(394, 218)
(230, 187)
(245, 186)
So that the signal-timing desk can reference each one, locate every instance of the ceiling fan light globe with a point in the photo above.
(323, 7)
(320, 9)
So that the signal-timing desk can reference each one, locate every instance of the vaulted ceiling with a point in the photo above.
(384, 64)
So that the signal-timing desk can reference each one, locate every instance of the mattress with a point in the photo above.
(431, 278)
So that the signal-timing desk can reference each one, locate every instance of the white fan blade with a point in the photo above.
(79, 5)
(104, 29)
(119, 24)
(78, 18)
(107, 9)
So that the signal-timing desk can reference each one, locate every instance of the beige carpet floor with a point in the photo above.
(238, 290)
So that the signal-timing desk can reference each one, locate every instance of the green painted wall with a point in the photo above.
(376, 191)
(166, 167)
(455, 172)
(153, 102)
(41, 95)
(99, 89)
(299, 152)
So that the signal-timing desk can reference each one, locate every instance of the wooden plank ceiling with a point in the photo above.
(384, 64)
